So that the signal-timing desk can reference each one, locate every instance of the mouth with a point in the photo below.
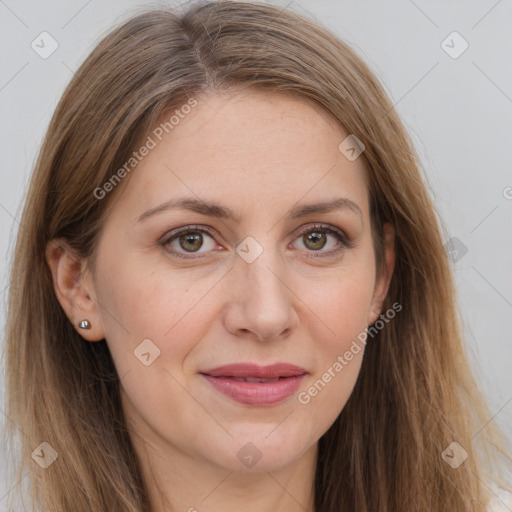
(250, 379)
(256, 385)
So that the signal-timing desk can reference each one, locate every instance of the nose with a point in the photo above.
(261, 303)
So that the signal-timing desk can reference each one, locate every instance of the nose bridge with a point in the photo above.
(262, 301)
(256, 257)
(265, 280)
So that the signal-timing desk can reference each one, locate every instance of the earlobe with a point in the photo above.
(384, 279)
(74, 291)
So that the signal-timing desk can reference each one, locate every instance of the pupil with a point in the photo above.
(191, 242)
(318, 240)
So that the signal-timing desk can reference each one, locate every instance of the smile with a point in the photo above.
(256, 385)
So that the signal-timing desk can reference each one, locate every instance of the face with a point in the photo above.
(228, 323)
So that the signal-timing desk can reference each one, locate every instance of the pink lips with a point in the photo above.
(256, 385)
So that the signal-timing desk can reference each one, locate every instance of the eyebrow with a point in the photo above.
(212, 209)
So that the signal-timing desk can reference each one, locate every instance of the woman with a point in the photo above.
(229, 288)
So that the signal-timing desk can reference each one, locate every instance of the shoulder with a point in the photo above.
(501, 501)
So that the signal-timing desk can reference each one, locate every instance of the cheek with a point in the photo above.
(342, 305)
(139, 302)
(345, 309)
(342, 309)
(157, 313)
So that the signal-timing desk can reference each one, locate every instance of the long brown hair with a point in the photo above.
(415, 394)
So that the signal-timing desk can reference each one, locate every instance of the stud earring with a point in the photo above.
(84, 324)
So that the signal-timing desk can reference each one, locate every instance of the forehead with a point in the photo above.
(275, 149)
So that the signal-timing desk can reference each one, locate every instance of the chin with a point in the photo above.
(263, 451)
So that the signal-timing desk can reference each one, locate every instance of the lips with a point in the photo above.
(241, 370)
(255, 385)
(254, 379)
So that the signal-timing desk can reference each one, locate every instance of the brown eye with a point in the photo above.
(320, 240)
(191, 242)
(314, 240)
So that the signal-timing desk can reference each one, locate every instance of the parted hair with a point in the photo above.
(415, 393)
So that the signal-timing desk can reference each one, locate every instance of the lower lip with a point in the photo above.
(256, 393)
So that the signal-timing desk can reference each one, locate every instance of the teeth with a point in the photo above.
(253, 379)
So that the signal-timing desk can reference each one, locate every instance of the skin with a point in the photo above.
(260, 155)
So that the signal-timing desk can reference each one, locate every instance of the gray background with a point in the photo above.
(458, 111)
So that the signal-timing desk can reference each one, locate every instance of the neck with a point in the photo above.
(179, 482)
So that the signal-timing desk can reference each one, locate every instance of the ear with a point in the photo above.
(384, 278)
(74, 288)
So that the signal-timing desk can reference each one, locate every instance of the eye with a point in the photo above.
(323, 240)
(189, 240)
(317, 240)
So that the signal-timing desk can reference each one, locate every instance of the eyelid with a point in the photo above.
(320, 226)
(343, 238)
(172, 235)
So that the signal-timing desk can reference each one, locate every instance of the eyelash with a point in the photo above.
(345, 242)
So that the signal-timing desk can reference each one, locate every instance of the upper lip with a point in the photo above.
(253, 370)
